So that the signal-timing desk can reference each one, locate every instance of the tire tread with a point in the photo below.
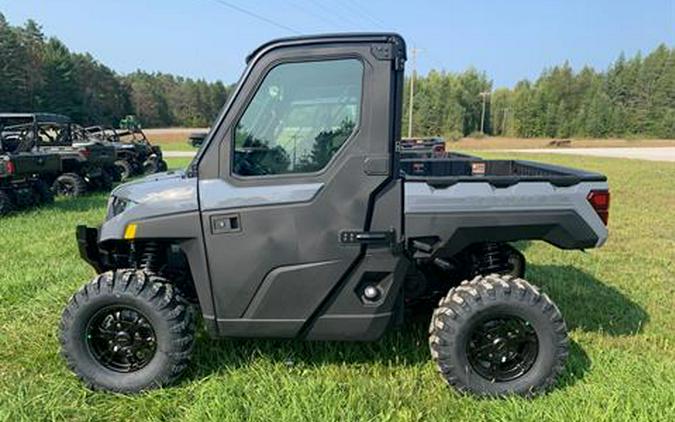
(454, 308)
(161, 296)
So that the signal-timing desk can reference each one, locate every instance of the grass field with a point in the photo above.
(619, 302)
(172, 139)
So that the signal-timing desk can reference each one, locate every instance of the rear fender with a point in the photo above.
(466, 213)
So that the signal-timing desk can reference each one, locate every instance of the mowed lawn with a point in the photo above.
(619, 302)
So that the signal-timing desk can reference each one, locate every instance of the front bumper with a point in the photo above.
(87, 243)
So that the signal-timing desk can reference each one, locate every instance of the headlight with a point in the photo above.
(117, 206)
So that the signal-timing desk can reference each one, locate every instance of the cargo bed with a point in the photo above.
(440, 172)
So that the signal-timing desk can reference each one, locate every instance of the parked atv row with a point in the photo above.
(135, 154)
(42, 155)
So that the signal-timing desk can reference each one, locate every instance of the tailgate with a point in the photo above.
(28, 164)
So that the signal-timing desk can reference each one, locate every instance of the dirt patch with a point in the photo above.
(173, 135)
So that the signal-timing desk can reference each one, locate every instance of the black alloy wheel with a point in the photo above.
(121, 338)
(127, 331)
(502, 348)
(497, 335)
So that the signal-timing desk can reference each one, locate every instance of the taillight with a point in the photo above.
(599, 200)
(10, 168)
(85, 151)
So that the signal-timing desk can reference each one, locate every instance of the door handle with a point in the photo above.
(383, 238)
(225, 223)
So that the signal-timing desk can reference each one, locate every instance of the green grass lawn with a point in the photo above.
(619, 302)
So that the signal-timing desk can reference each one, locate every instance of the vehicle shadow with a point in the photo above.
(587, 303)
(581, 299)
(402, 346)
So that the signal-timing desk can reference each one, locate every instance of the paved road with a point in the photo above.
(638, 153)
(175, 154)
(652, 154)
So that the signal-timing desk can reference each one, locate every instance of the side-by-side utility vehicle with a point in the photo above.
(87, 164)
(296, 219)
(196, 139)
(24, 174)
(135, 154)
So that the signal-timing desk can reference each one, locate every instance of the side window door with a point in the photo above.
(303, 150)
(299, 118)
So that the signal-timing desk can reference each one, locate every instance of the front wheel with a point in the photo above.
(127, 331)
(498, 335)
(69, 184)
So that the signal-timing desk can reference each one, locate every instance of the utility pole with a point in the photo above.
(413, 52)
(506, 113)
(483, 94)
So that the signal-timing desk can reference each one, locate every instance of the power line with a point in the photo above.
(362, 12)
(338, 13)
(257, 16)
(331, 24)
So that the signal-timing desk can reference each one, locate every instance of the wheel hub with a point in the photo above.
(502, 348)
(121, 339)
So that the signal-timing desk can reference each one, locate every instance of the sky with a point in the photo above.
(209, 39)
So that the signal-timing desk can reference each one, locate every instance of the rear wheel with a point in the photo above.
(124, 169)
(162, 166)
(6, 203)
(69, 184)
(516, 262)
(127, 331)
(498, 335)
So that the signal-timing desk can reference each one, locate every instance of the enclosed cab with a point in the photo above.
(297, 218)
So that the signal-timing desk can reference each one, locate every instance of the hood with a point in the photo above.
(159, 194)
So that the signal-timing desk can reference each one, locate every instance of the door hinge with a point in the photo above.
(390, 51)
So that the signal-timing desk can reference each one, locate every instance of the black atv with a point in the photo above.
(87, 164)
(24, 175)
(196, 139)
(135, 154)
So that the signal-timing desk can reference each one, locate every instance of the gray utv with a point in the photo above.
(297, 219)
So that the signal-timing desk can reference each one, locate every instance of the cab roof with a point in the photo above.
(328, 38)
(38, 117)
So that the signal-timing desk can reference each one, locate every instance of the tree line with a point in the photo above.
(41, 74)
(633, 97)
